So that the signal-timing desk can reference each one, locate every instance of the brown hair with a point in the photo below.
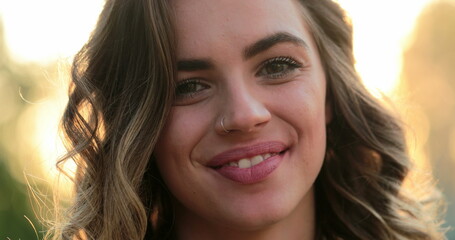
(121, 93)
(359, 189)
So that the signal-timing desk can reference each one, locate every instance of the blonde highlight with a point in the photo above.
(120, 95)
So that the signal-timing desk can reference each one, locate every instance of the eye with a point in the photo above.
(278, 67)
(189, 88)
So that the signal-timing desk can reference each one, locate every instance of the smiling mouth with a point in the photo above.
(251, 161)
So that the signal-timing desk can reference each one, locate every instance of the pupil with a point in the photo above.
(276, 68)
(187, 88)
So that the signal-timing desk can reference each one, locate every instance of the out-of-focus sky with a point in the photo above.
(45, 30)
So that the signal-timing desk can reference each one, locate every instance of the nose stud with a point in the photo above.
(222, 125)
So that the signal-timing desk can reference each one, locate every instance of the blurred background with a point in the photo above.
(405, 51)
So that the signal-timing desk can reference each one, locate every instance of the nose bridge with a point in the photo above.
(244, 108)
(243, 102)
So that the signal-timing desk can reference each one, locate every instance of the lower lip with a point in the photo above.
(253, 174)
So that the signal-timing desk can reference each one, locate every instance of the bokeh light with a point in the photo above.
(45, 30)
(381, 31)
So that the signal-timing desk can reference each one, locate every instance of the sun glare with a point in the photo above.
(45, 30)
(381, 33)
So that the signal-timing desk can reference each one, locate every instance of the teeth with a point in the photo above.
(233, 164)
(249, 162)
(256, 160)
(244, 163)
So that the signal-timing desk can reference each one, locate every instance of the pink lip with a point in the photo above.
(253, 174)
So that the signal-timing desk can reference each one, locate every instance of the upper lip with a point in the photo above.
(247, 152)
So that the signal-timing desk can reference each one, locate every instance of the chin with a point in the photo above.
(251, 217)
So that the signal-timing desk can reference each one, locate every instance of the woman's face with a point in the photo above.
(254, 65)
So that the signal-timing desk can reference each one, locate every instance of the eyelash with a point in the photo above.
(289, 62)
(198, 85)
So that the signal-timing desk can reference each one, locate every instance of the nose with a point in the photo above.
(242, 111)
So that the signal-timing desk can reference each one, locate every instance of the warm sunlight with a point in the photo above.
(44, 30)
(60, 27)
(381, 32)
(47, 117)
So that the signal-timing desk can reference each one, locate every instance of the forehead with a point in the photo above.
(201, 24)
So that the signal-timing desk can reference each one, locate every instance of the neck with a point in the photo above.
(299, 224)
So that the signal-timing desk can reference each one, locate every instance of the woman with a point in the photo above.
(202, 119)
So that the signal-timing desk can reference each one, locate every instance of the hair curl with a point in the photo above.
(119, 99)
(359, 189)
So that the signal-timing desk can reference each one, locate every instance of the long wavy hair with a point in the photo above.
(121, 93)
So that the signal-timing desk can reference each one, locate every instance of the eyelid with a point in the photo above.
(194, 80)
(280, 59)
(190, 97)
(188, 80)
(286, 59)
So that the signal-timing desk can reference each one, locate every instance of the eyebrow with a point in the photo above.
(271, 41)
(191, 65)
(194, 65)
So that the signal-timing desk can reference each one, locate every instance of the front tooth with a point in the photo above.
(244, 163)
(233, 164)
(256, 160)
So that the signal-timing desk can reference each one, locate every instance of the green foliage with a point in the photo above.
(14, 206)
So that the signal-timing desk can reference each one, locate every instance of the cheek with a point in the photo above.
(174, 153)
(182, 133)
(304, 109)
(304, 106)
